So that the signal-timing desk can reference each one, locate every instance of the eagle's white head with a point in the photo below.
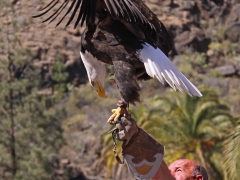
(96, 72)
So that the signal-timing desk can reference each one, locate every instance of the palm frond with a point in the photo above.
(231, 151)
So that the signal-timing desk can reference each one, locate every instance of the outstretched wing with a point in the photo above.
(127, 11)
(85, 10)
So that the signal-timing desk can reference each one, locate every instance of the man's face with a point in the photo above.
(182, 169)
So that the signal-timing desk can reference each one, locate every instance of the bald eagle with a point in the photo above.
(127, 35)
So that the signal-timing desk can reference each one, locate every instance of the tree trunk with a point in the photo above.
(12, 136)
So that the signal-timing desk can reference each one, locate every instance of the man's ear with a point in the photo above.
(199, 177)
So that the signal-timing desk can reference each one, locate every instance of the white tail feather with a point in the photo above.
(158, 65)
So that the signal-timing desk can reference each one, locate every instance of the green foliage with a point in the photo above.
(59, 76)
(30, 128)
(223, 48)
(194, 58)
(198, 127)
(218, 33)
(231, 151)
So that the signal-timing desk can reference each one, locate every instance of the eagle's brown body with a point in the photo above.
(111, 42)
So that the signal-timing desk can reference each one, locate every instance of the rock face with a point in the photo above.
(227, 70)
(189, 20)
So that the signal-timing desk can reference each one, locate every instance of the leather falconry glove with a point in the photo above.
(142, 153)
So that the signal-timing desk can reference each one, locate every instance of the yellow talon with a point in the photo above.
(116, 114)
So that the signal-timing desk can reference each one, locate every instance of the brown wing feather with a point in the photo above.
(57, 12)
(137, 13)
(86, 8)
(161, 39)
(127, 11)
(121, 9)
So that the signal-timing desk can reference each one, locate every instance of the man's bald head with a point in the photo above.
(184, 169)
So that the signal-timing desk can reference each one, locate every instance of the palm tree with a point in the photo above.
(231, 151)
(199, 125)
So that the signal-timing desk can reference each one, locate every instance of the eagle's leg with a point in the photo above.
(117, 113)
(124, 76)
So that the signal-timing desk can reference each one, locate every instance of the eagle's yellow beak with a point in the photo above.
(99, 89)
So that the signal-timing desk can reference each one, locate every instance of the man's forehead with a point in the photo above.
(183, 163)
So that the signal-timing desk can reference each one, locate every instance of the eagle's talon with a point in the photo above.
(116, 114)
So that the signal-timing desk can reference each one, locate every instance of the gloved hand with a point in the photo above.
(143, 154)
